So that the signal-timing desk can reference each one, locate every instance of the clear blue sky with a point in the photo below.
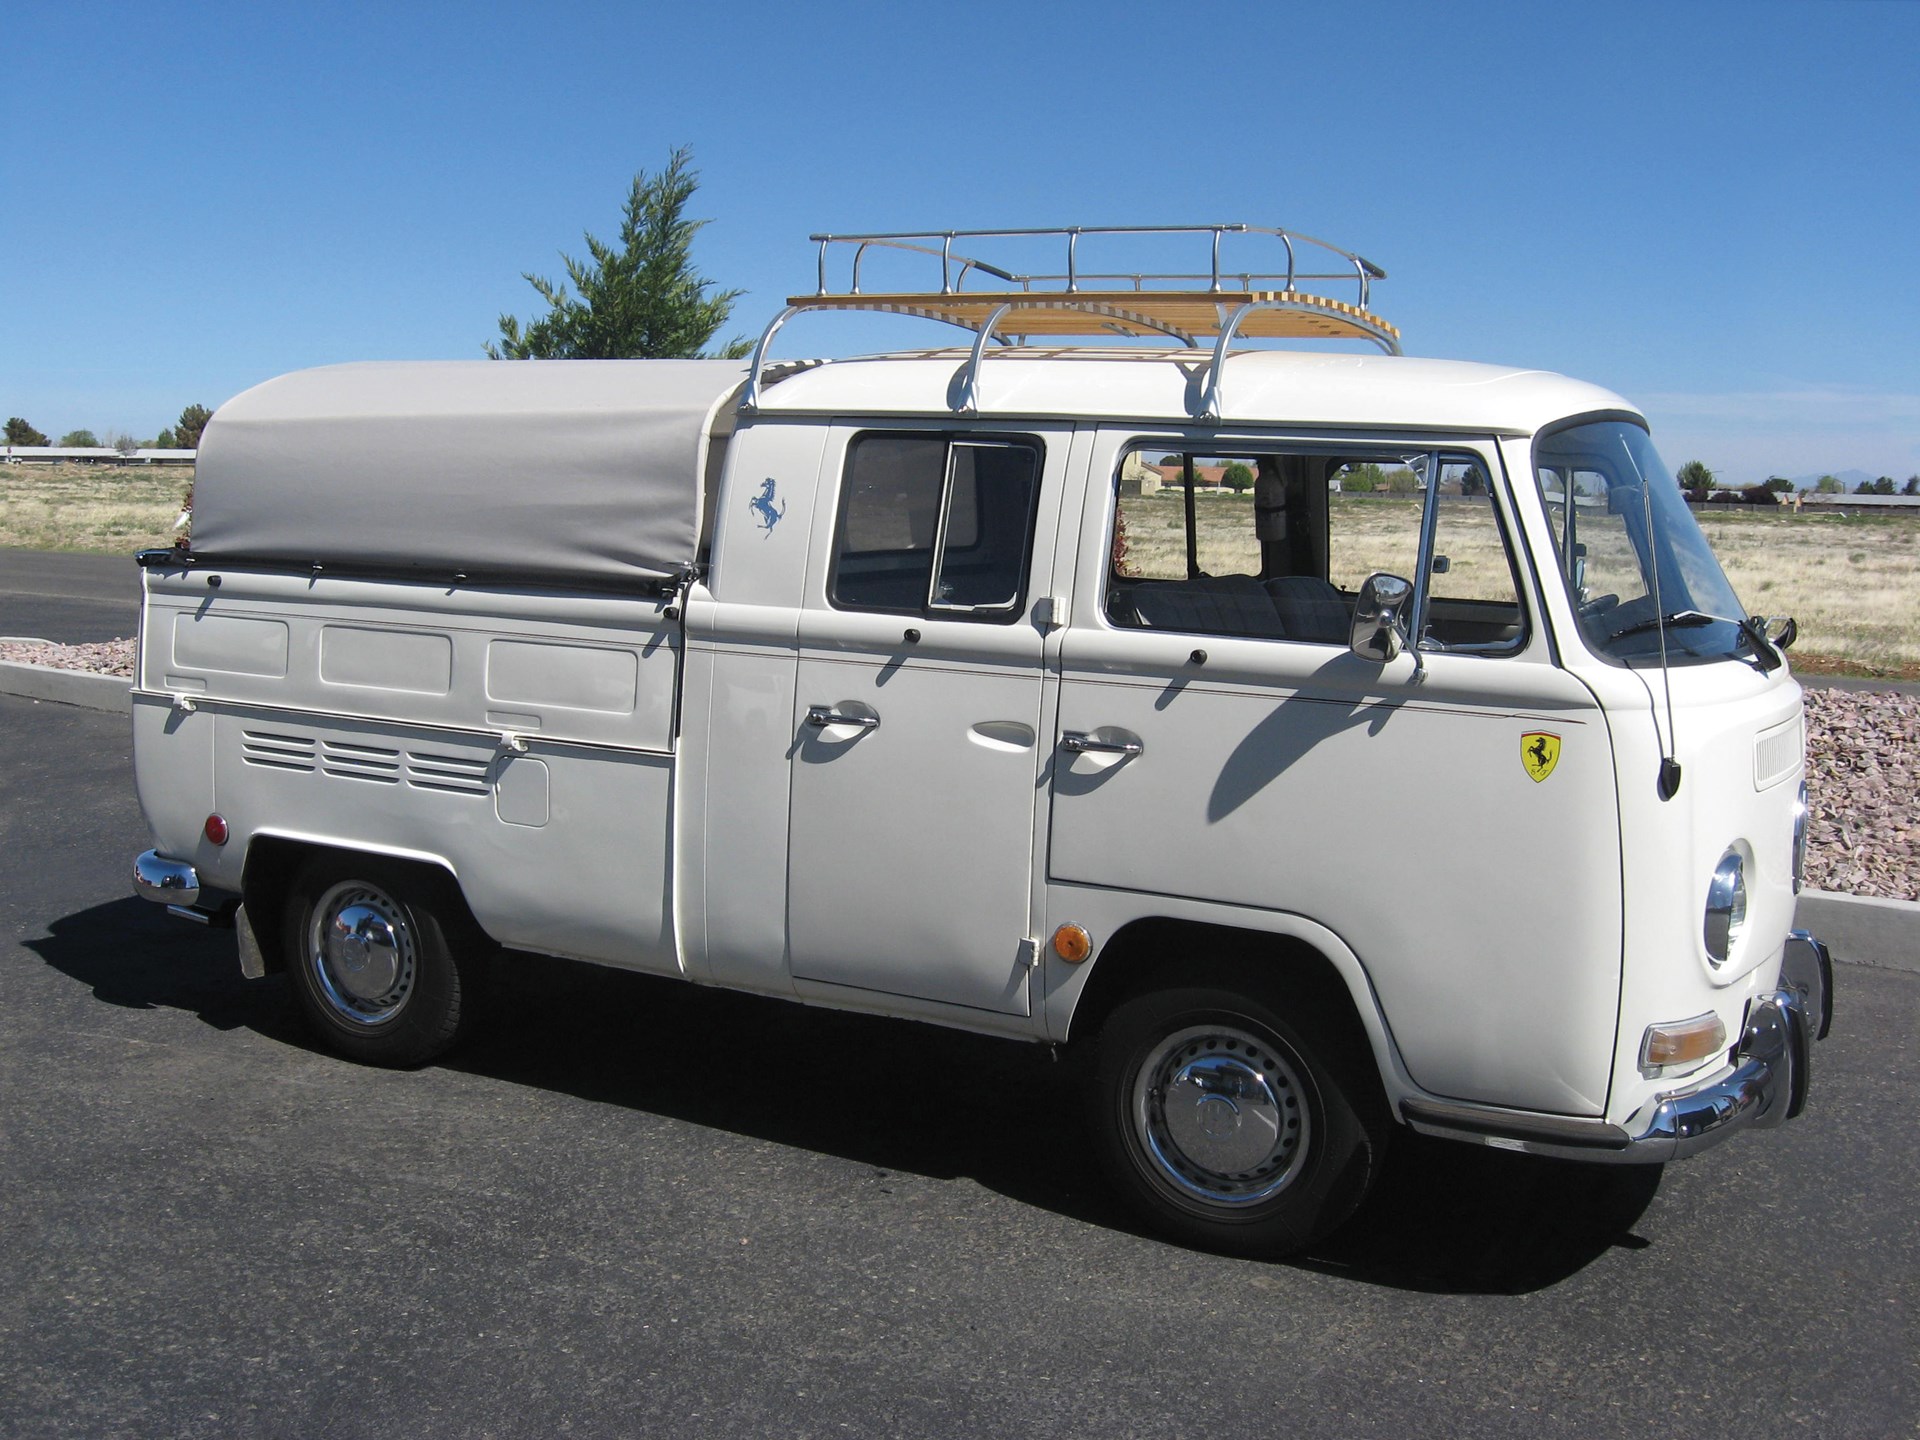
(1711, 208)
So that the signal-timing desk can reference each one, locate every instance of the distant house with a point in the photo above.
(1204, 476)
(1137, 477)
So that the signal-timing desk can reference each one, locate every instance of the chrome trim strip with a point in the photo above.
(1440, 1117)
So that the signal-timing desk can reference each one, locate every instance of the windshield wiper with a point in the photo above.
(1763, 652)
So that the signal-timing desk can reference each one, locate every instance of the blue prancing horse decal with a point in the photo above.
(766, 513)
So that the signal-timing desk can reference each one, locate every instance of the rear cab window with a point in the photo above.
(935, 525)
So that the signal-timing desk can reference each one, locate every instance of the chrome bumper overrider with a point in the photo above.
(176, 885)
(165, 882)
(1764, 1084)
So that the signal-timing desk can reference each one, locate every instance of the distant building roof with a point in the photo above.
(99, 454)
(1863, 502)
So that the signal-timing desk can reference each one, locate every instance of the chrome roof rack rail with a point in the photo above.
(1187, 306)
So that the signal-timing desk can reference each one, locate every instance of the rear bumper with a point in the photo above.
(164, 881)
(1763, 1084)
(176, 885)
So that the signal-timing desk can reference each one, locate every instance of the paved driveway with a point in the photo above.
(633, 1208)
(78, 599)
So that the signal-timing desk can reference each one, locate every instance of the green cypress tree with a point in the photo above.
(642, 299)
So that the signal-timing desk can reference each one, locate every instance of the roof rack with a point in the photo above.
(1215, 304)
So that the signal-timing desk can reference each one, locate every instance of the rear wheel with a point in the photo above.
(376, 975)
(1226, 1128)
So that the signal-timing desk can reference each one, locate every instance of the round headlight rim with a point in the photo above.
(1726, 915)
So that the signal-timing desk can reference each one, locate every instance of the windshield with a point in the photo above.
(1629, 549)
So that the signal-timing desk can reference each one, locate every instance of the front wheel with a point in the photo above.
(376, 975)
(1225, 1128)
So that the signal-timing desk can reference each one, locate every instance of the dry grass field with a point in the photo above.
(1853, 583)
(102, 509)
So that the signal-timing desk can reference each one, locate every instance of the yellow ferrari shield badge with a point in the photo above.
(1539, 752)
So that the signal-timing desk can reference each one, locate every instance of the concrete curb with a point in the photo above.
(66, 687)
(1862, 929)
(1857, 929)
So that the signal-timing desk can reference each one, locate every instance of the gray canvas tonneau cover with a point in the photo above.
(553, 471)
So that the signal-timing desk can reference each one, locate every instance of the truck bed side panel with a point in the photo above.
(523, 740)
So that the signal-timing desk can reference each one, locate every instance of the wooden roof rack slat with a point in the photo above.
(1212, 305)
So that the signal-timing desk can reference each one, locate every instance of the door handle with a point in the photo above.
(821, 716)
(1077, 744)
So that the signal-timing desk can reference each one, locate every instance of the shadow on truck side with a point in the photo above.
(899, 1097)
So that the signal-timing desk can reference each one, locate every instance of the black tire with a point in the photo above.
(1269, 1141)
(371, 948)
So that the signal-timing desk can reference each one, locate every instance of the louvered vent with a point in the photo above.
(463, 775)
(1775, 754)
(276, 751)
(360, 762)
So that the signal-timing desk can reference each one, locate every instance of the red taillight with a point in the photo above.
(216, 830)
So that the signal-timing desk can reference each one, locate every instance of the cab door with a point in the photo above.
(917, 718)
(1450, 815)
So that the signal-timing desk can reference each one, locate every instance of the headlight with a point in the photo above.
(1800, 837)
(1726, 907)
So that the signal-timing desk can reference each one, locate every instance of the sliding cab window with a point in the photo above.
(935, 525)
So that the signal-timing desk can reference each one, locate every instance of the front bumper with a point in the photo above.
(1763, 1084)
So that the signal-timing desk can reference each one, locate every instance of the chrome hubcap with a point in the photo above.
(1222, 1117)
(362, 953)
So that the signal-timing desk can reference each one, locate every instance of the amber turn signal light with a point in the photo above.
(1681, 1042)
(1072, 944)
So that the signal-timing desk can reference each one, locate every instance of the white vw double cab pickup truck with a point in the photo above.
(1317, 742)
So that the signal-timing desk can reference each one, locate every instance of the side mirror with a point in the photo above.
(1781, 630)
(1380, 618)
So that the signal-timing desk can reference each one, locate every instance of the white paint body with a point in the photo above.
(614, 782)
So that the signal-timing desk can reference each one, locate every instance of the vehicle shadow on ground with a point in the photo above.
(136, 956)
(899, 1097)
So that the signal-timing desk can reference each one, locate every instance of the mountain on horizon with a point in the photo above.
(1850, 478)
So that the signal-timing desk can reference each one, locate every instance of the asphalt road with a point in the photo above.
(635, 1208)
(77, 599)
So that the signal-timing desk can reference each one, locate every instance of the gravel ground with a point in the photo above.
(109, 657)
(1863, 776)
(1863, 788)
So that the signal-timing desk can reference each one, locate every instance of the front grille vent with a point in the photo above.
(276, 751)
(360, 762)
(458, 774)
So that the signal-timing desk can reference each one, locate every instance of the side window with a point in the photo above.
(1277, 545)
(931, 524)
